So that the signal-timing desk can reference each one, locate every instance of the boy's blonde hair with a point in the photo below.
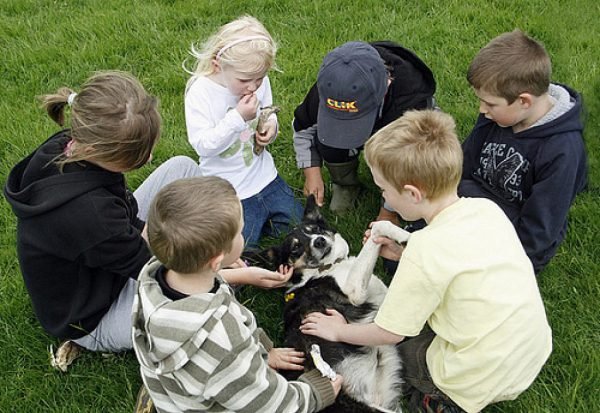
(511, 64)
(254, 55)
(421, 149)
(193, 220)
(113, 120)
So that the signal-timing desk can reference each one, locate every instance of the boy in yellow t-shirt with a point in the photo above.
(464, 289)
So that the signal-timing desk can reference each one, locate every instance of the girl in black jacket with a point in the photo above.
(79, 229)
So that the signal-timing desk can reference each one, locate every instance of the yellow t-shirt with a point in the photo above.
(467, 275)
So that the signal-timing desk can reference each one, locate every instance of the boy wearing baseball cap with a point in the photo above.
(360, 88)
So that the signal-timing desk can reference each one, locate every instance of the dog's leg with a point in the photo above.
(360, 274)
(389, 230)
(358, 280)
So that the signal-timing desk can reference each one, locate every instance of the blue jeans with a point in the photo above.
(273, 211)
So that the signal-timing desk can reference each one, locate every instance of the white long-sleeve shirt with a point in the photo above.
(223, 140)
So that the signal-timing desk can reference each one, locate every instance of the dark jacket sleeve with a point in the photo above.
(542, 222)
(305, 131)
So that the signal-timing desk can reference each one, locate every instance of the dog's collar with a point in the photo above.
(289, 296)
(325, 267)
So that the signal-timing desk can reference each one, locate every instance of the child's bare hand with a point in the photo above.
(314, 184)
(247, 106)
(326, 326)
(390, 249)
(260, 277)
(268, 133)
(337, 384)
(286, 359)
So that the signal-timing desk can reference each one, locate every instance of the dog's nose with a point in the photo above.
(320, 242)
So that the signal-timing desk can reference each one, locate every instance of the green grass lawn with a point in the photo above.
(46, 44)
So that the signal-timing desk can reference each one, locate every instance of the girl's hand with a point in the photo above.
(270, 129)
(286, 359)
(247, 107)
(326, 326)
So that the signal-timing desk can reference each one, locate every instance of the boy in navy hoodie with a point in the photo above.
(526, 151)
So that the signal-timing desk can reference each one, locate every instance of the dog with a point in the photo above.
(326, 277)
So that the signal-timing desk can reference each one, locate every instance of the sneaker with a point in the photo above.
(66, 353)
(144, 403)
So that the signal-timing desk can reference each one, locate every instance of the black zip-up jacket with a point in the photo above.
(78, 237)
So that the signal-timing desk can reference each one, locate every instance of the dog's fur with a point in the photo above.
(325, 277)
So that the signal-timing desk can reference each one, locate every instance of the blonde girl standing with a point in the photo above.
(228, 87)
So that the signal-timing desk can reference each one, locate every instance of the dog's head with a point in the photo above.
(311, 244)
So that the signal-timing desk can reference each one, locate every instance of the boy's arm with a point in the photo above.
(259, 277)
(541, 224)
(333, 327)
(263, 389)
(472, 147)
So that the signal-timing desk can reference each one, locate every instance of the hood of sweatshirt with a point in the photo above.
(169, 333)
(32, 181)
(413, 82)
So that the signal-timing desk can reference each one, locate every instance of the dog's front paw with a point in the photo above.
(389, 230)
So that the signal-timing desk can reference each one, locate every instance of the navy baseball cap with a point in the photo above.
(352, 83)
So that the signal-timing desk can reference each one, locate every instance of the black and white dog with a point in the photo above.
(326, 277)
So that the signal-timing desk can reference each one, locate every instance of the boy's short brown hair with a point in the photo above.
(511, 64)
(421, 149)
(193, 220)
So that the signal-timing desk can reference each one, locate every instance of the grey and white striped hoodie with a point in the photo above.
(206, 353)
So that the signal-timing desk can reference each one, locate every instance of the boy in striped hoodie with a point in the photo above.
(198, 347)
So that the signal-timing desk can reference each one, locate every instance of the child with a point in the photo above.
(464, 288)
(228, 88)
(199, 348)
(79, 232)
(526, 152)
(378, 82)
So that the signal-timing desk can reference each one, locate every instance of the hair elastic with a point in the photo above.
(71, 98)
(240, 40)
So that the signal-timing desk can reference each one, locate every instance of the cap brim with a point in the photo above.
(344, 133)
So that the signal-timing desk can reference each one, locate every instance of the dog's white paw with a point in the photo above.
(389, 230)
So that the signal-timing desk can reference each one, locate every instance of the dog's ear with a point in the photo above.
(269, 259)
(312, 212)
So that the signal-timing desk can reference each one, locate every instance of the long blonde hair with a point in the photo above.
(113, 120)
(254, 54)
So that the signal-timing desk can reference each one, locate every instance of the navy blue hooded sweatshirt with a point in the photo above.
(533, 175)
(78, 238)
